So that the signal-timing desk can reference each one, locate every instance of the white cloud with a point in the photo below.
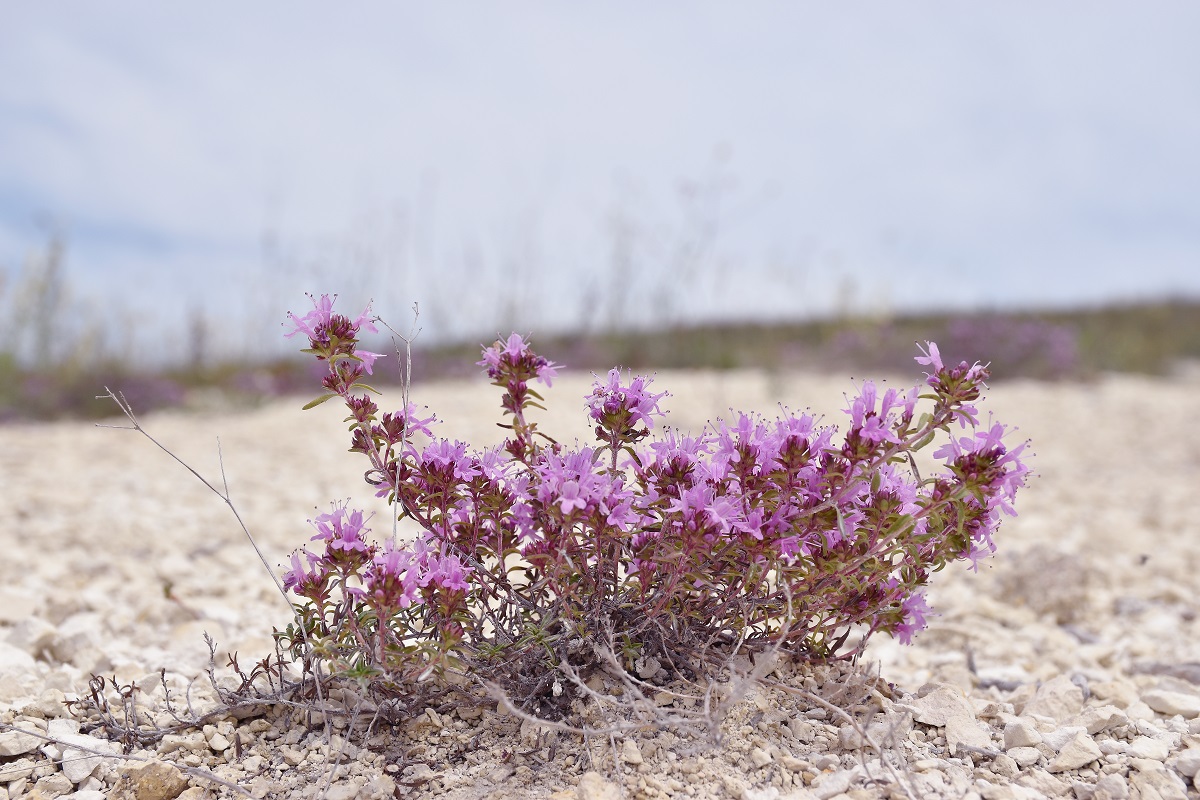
(1007, 154)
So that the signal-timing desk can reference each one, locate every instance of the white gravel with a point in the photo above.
(1067, 667)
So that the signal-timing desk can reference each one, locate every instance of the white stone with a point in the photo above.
(1138, 710)
(759, 757)
(347, 790)
(1061, 737)
(962, 731)
(76, 635)
(767, 793)
(1057, 698)
(194, 741)
(828, 784)
(593, 786)
(1187, 762)
(1025, 756)
(88, 794)
(62, 728)
(1021, 733)
(33, 635)
(940, 705)
(1077, 753)
(1111, 787)
(15, 743)
(81, 754)
(1158, 783)
(78, 765)
(1145, 747)
(1172, 703)
(17, 605)
(1102, 718)
(630, 753)
(13, 659)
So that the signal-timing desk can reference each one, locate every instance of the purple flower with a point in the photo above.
(569, 497)
(514, 360)
(449, 573)
(931, 357)
(394, 578)
(342, 529)
(915, 611)
(314, 320)
(368, 359)
(633, 402)
(321, 321)
(304, 580)
(451, 456)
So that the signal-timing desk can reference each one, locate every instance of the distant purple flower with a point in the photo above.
(613, 398)
(314, 320)
(513, 359)
(321, 321)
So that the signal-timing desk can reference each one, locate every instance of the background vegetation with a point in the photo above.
(55, 358)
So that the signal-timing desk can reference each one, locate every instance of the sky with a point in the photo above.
(538, 166)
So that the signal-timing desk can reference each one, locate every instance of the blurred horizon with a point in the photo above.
(551, 169)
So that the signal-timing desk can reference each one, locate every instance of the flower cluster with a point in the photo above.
(753, 533)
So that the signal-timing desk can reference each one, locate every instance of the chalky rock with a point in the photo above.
(1187, 762)
(14, 685)
(1011, 792)
(33, 635)
(1153, 781)
(892, 728)
(964, 730)
(16, 743)
(17, 605)
(1151, 748)
(53, 785)
(14, 660)
(1098, 719)
(1060, 737)
(832, 783)
(81, 754)
(155, 780)
(87, 794)
(1075, 754)
(1021, 733)
(1111, 787)
(630, 753)
(1057, 698)
(940, 705)
(76, 637)
(593, 786)
(1172, 703)
(759, 757)
(1024, 756)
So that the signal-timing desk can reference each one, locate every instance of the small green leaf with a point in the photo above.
(317, 402)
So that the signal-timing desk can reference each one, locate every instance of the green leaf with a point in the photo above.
(318, 401)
